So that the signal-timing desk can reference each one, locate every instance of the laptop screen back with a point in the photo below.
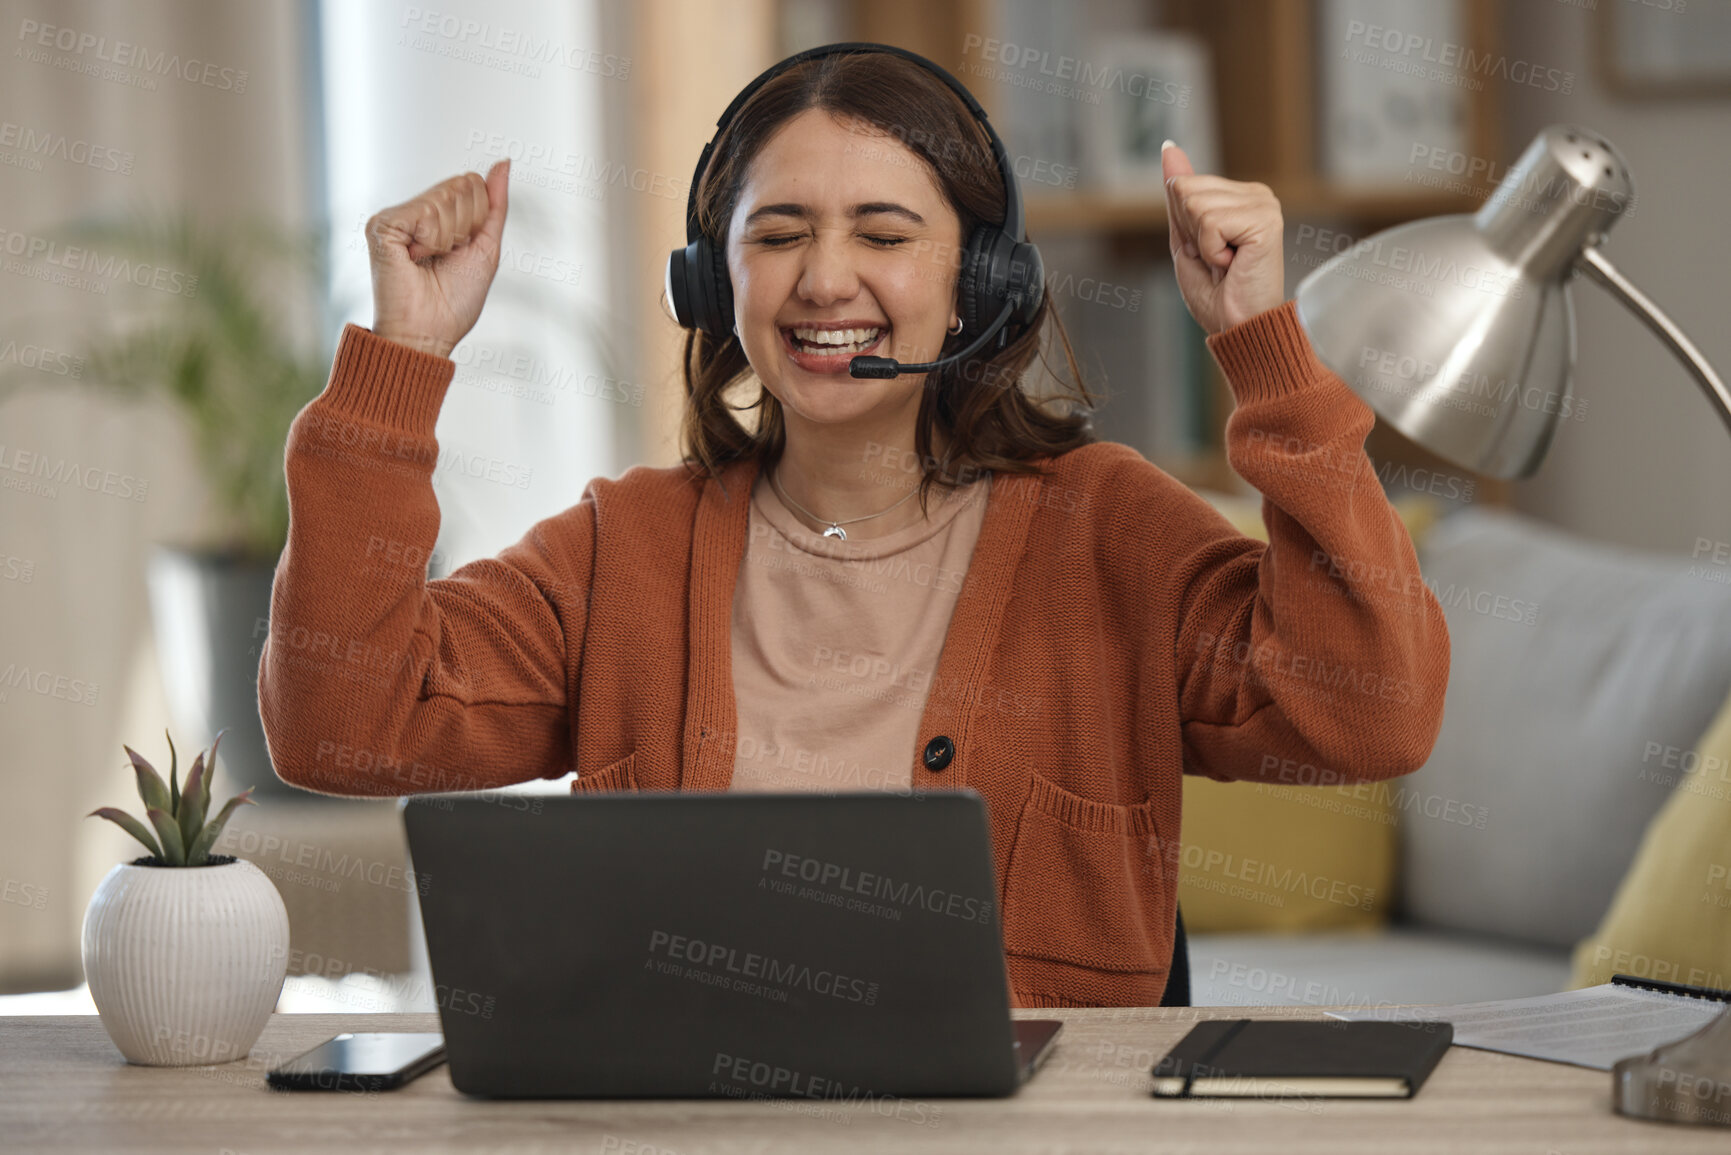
(729, 945)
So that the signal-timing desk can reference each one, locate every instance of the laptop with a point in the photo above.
(718, 945)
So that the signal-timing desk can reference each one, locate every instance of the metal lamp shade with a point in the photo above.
(1459, 330)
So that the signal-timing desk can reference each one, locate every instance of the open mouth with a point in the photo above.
(830, 349)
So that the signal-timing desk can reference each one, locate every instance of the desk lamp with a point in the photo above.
(1460, 332)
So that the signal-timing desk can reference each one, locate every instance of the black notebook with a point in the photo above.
(1277, 1057)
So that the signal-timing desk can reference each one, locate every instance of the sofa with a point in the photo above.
(1582, 679)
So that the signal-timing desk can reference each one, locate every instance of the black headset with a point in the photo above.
(1000, 284)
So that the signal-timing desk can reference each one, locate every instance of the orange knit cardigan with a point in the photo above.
(1113, 632)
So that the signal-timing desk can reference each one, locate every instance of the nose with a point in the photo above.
(829, 274)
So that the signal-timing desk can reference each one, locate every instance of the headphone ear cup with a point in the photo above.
(698, 288)
(994, 269)
(1027, 281)
(972, 288)
(721, 292)
(707, 290)
(677, 286)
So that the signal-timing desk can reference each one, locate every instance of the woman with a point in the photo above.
(1053, 622)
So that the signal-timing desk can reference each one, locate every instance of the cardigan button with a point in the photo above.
(939, 751)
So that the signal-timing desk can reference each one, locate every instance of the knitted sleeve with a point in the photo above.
(1324, 645)
(374, 680)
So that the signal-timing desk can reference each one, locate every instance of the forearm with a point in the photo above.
(373, 680)
(1325, 645)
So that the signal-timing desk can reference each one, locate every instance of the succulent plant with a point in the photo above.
(183, 836)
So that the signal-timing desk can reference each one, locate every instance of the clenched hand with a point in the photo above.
(1226, 243)
(434, 258)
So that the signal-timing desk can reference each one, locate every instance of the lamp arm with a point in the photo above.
(1646, 1086)
(1593, 263)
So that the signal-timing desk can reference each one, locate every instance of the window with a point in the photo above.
(415, 95)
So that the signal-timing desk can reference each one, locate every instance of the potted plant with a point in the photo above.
(219, 342)
(184, 951)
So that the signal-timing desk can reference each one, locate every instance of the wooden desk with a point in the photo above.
(63, 1087)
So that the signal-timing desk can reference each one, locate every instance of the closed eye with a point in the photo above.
(885, 242)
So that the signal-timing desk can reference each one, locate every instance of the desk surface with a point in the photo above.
(64, 1087)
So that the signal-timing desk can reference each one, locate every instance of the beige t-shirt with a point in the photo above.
(835, 643)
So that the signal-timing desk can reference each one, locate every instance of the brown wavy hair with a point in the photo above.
(989, 419)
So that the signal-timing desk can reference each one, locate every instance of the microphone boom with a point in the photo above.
(884, 367)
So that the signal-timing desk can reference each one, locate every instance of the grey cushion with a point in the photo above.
(1550, 729)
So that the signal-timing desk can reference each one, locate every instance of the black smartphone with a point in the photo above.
(361, 1062)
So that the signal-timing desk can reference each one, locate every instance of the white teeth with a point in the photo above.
(857, 338)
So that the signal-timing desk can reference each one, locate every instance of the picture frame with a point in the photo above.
(1153, 86)
(1647, 49)
(1372, 108)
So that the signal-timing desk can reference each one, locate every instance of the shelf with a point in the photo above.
(1265, 65)
(1137, 213)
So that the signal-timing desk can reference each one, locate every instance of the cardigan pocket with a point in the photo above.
(1086, 884)
(620, 775)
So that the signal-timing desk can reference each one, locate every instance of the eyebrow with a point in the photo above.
(870, 208)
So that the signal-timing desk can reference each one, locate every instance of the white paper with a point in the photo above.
(1593, 1027)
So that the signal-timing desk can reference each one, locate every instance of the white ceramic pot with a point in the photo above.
(185, 963)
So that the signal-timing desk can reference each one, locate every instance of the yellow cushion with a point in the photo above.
(1261, 857)
(1671, 916)
(1290, 857)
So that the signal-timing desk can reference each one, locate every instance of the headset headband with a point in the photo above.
(1013, 220)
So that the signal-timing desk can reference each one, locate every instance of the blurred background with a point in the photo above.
(183, 187)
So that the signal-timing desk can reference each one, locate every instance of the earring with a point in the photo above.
(957, 328)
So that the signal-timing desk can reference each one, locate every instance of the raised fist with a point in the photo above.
(434, 257)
